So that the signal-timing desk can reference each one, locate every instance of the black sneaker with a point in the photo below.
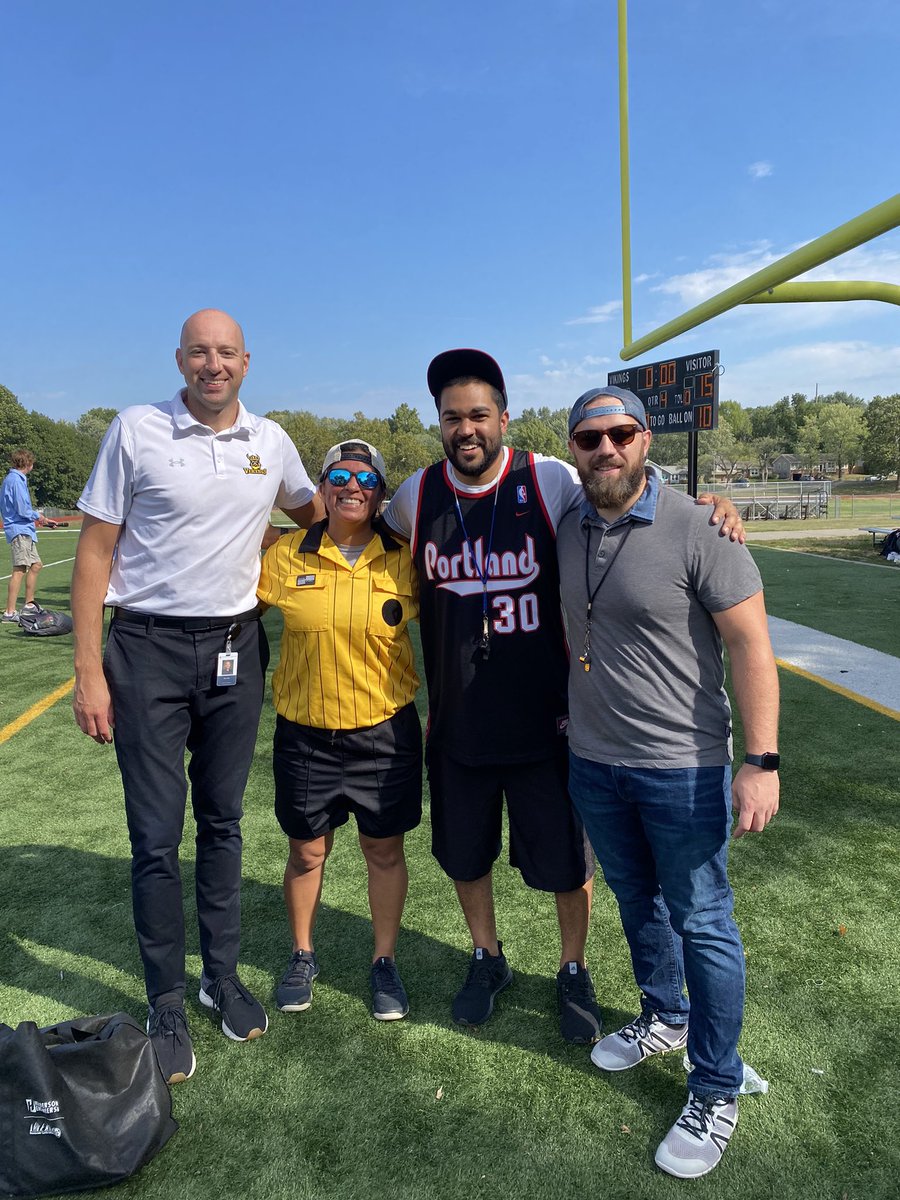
(243, 1017)
(389, 1001)
(294, 993)
(168, 1030)
(580, 1021)
(33, 609)
(488, 975)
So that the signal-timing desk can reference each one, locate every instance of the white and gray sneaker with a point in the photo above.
(645, 1036)
(697, 1140)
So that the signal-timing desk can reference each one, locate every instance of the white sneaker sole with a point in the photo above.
(392, 1016)
(207, 1001)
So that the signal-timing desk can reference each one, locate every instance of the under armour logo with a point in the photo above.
(176, 462)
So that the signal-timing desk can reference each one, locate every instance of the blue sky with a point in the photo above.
(367, 182)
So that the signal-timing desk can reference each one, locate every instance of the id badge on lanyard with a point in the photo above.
(227, 661)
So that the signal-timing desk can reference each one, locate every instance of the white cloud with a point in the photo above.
(723, 271)
(560, 382)
(860, 367)
(759, 170)
(876, 261)
(599, 314)
(35, 400)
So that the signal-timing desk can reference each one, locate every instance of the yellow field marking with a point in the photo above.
(35, 711)
(841, 691)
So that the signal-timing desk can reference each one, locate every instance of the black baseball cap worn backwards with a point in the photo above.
(458, 364)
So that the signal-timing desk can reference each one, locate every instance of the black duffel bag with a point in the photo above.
(82, 1104)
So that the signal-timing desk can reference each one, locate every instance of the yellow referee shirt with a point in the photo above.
(346, 658)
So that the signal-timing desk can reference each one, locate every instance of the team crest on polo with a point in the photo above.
(255, 468)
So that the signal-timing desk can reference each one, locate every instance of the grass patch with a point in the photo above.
(856, 549)
(839, 598)
(333, 1105)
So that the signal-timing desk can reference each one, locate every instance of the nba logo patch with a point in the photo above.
(522, 494)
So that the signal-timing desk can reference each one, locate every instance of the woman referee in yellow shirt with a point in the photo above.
(347, 738)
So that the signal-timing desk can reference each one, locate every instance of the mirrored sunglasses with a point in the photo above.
(619, 435)
(340, 477)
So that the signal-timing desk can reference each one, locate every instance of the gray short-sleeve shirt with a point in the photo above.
(654, 696)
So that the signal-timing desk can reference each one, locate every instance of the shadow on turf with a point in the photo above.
(56, 906)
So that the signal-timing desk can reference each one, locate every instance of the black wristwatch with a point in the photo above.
(768, 762)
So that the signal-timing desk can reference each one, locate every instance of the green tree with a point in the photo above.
(738, 419)
(778, 420)
(669, 449)
(842, 430)
(766, 450)
(402, 439)
(95, 422)
(16, 431)
(842, 398)
(809, 443)
(882, 445)
(718, 450)
(542, 431)
(64, 459)
(312, 436)
(405, 419)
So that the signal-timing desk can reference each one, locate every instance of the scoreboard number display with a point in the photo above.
(681, 395)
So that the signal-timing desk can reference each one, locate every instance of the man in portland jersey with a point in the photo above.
(482, 527)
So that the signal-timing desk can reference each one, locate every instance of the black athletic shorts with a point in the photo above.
(323, 775)
(547, 842)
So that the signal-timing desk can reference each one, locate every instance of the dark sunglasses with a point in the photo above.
(340, 477)
(619, 435)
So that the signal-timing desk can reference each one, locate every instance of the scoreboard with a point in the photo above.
(681, 395)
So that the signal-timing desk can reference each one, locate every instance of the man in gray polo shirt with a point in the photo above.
(650, 594)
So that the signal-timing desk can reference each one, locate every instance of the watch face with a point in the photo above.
(768, 762)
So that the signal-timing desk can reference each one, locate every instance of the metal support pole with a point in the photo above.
(845, 237)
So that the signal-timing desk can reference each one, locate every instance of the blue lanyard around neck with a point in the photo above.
(483, 570)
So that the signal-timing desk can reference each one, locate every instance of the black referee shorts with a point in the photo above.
(323, 775)
(547, 842)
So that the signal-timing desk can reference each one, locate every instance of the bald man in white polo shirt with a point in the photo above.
(175, 512)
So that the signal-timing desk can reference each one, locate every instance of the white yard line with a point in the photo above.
(58, 563)
(867, 676)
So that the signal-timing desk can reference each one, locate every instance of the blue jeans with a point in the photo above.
(661, 838)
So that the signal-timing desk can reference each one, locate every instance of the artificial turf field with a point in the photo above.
(333, 1104)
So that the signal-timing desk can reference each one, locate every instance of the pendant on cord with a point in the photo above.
(485, 644)
(585, 656)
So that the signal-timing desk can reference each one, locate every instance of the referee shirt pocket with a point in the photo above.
(305, 604)
(392, 607)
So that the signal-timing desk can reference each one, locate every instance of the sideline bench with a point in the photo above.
(875, 530)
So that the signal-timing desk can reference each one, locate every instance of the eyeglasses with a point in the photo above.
(340, 477)
(619, 435)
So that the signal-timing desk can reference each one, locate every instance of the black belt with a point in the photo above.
(186, 624)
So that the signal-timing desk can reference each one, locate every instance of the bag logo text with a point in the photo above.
(36, 1128)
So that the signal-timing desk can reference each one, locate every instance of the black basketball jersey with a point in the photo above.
(509, 705)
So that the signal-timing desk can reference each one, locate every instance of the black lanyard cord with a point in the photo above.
(585, 656)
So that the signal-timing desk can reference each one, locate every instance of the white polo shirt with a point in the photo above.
(193, 504)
